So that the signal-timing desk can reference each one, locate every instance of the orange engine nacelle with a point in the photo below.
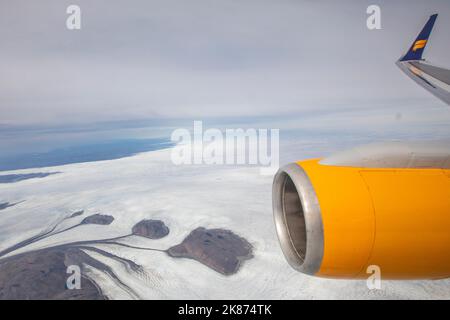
(336, 221)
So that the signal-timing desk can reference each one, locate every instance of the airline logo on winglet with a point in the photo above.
(415, 52)
(419, 44)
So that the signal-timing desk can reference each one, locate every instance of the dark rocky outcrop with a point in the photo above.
(5, 205)
(219, 249)
(76, 214)
(98, 219)
(152, 229)
(42, 275)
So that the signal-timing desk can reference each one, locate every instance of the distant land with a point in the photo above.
(83, 153)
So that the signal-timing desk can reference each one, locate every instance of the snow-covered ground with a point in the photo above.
(149, 186)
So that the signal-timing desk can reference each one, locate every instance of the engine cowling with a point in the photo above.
(336, 221)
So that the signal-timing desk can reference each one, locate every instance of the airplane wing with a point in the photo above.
(434, 79)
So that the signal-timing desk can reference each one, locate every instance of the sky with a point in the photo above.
(135, 60)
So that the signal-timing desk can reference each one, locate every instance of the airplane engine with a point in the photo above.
(390, 208)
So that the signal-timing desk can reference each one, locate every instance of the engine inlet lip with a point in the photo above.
(312, 260)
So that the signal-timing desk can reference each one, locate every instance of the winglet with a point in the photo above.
(418, 46)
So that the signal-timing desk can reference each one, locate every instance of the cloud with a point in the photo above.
(147, 59)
